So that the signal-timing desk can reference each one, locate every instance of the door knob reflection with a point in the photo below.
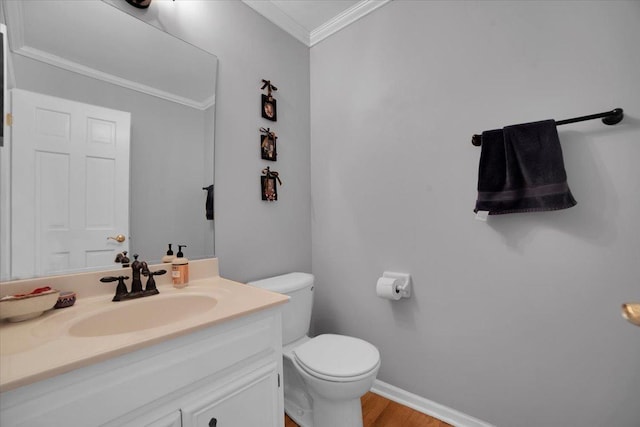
(119, 238)
(631, 312)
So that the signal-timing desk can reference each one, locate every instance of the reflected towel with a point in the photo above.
(208, 204)
(522, 170)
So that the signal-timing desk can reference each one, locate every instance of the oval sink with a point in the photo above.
(138, 315)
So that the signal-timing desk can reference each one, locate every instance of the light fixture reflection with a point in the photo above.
(141, 4)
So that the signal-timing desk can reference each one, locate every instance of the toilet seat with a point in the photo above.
(337, 358)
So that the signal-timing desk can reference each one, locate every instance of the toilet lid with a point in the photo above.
(337, 356)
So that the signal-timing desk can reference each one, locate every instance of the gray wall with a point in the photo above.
(515, 321)
(254, 239)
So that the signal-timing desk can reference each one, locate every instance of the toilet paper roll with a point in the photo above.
(386, 288)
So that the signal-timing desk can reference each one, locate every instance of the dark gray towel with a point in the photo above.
(522, 170)
(208, 204)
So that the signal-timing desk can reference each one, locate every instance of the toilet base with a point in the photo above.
(301, 416)
(331, 413)
(326, 414)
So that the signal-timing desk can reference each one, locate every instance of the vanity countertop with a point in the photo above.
(41, 348)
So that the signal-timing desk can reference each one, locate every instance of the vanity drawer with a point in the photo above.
(248, 401)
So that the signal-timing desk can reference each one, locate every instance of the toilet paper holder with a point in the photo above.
(402, 282)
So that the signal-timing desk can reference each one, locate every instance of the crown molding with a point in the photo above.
(274, 14)
(348, 17)
(56, 61)
(18, 46)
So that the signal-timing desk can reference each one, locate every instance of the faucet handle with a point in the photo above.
(113, 278)
(121, 289)
(150, 287)
(154, 273)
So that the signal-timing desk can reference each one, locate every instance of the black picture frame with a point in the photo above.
(269, 189)
(268, 108)
(268, 149)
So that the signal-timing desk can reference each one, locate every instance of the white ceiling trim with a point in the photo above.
(274, 14)
(348, 17)
(14, 14)
(75, 67)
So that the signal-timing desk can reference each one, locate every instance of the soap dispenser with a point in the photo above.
(169, 257)
(180, 269)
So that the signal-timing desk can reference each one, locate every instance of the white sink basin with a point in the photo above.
(137, 315)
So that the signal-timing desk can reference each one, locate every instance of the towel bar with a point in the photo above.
(610, 118)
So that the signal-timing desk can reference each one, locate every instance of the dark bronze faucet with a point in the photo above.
(122, 258)
(137, 267)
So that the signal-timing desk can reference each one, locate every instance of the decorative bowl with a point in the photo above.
(25, 307)
(66, 299)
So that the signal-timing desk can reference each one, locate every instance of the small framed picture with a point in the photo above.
(269, 190)
(269, 110)
(268, 147)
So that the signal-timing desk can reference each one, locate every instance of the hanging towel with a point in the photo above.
(208, 205)
(522, 170)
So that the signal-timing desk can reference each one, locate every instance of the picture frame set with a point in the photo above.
(268, 143)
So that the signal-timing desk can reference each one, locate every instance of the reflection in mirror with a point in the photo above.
(104, 61)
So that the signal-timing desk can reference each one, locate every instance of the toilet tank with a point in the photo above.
(296, 314)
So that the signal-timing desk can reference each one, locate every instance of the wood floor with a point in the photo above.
(380, 412)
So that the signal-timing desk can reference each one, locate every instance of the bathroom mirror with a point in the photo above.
(94, 53)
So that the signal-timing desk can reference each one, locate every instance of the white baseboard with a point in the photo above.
(426, 406)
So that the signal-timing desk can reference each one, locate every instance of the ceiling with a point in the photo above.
(311, 21)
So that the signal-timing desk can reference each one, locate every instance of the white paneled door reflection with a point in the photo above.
(69, 184)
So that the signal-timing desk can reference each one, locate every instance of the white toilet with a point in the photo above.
(325, 376)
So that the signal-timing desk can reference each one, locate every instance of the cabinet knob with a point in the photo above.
(213, 422)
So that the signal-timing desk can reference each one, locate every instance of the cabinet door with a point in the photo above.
(250, 401)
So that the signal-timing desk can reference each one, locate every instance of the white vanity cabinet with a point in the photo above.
(228, 375)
